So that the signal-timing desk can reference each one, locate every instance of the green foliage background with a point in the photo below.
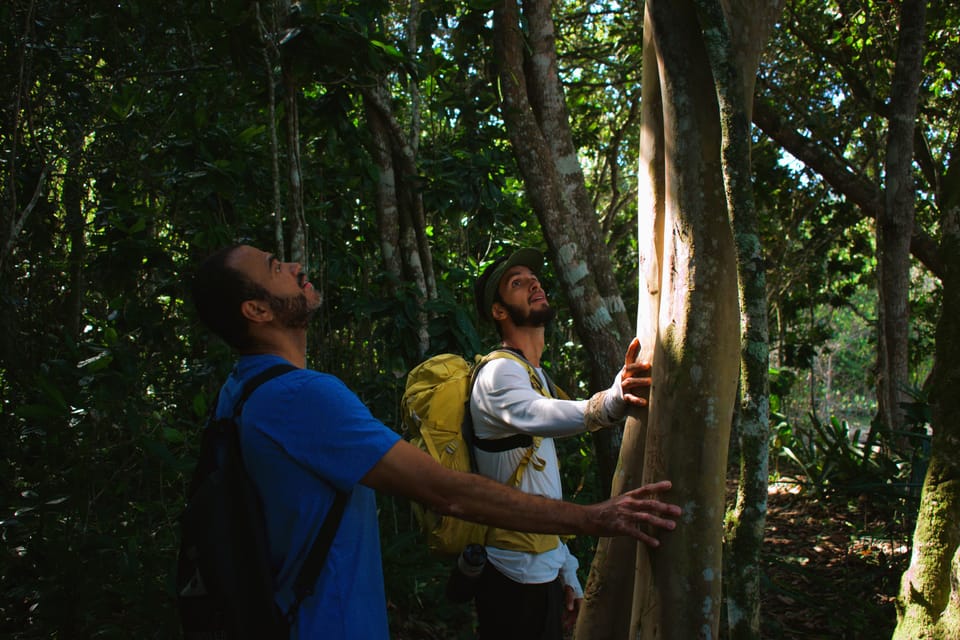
(136, 136)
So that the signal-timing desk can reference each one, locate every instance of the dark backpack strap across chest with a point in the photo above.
(518, 440)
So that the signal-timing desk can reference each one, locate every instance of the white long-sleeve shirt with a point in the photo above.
(504, 403)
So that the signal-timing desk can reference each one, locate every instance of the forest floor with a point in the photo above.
(832, 567)
(831, 571)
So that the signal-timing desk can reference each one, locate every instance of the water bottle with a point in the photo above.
(465, 576)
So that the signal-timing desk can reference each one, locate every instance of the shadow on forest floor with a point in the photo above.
(831, 568)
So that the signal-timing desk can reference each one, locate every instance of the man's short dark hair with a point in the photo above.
(218, 292)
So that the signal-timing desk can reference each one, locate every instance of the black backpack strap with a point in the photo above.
(251, 385)
(310, 570)
(499, 445)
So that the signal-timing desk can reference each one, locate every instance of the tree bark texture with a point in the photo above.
(895, 224)
(535, 115)
(734, 42)
(549, 105)
(399, 208)
(608, 595)
(928, 605)
(297, 220)
(270, 57)
(677, 591)
(388, 210)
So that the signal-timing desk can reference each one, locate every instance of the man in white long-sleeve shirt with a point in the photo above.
(529, 589)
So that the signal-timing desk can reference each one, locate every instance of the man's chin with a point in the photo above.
(541, 317)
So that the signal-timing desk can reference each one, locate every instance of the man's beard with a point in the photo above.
(292, 312)
(531, 318)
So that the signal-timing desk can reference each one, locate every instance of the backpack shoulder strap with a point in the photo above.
(253, 383)
(517, 356)
(306, 578)
(515, 441)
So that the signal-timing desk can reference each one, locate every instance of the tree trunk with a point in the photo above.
(895, 224)
(928, 605)
(400, 215)
(536, 120)
(608, 596)
(677, 588)
(929, 602)
(734, 52)
(270, 58)
(297, 221)
(388, 210)
(678, 591)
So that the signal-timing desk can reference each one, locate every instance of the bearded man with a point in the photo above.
(529, 587)
(305, 437)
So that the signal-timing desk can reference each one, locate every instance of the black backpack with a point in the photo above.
(225, 587)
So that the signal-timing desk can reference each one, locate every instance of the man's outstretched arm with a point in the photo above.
(407, 471)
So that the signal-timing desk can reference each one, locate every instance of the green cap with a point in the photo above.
(485, 290)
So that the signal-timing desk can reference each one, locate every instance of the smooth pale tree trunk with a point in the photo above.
(400, 217)
(677, 586)
(608, 594)
(678, 590)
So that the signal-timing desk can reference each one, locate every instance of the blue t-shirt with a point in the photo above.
(300, 433)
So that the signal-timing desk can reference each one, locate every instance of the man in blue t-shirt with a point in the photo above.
(305, 434)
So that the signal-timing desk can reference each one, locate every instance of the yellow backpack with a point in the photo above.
(434, 409)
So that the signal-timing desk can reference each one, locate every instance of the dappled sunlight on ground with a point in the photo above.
(831, 567)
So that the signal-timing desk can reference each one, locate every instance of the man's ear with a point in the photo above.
(498, 311)
(256, 311)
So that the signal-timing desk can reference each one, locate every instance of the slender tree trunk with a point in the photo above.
(536, 118)
(297, 221)
(608, 596)
(388, 210)
(548, 102)
(734, 51)
(400, 214)
(895, 225)
(270, 60)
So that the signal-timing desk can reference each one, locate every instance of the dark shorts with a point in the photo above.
(508, 610)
